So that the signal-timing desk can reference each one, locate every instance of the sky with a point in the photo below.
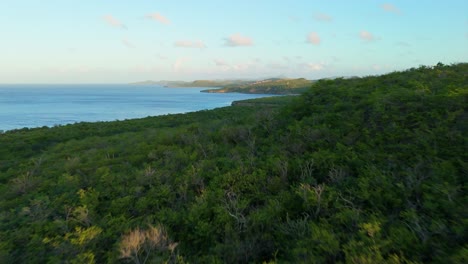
(121, 41)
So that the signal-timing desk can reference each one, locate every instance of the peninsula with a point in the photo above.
(266, 86)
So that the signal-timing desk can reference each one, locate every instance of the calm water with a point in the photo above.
(49, 105)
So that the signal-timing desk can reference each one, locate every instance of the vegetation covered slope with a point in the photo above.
(269, 86)
(368, 170)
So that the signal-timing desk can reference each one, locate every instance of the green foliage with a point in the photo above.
(362, 170)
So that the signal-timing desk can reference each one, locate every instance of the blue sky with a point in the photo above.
(119, 41)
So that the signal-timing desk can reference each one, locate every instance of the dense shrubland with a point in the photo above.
(363, 170)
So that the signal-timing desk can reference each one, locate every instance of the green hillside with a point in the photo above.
(363, 170)
(269, 86)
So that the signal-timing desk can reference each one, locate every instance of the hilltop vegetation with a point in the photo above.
(269, 86)
(365, 170)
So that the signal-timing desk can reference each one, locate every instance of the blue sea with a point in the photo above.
(50, 105)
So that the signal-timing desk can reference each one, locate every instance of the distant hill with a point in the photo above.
(268, 86)
(196, 83)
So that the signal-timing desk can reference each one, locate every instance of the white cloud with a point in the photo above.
(158, 17)
(127, 43)
(238, 40)
(315, 66)
(323, 17)
(367, 36)
(190, 44)
(113, 21)
(313, 38)
(390, 8)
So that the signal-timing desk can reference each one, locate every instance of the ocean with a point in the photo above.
(50, 105)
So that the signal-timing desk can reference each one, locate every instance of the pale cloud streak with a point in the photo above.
(190, 44)
(113, 21)
(367, 36)
(220, 63)
(390, 8)
(322, 17)
(158, 17)
(237, 39)
(313, 38)
(403, 44)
